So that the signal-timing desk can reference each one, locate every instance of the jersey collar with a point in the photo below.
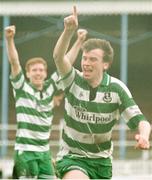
(106, 79)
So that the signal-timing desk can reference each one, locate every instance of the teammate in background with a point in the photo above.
(94, 101)
(34, 112)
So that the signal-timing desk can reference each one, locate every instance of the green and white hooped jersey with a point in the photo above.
(88, 125)
(34, 114)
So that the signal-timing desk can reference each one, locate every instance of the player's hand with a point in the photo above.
(142, 142)
(57, 99)
(10, 32)
(82, 34)
(71, 22)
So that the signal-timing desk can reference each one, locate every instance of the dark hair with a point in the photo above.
(94, 43)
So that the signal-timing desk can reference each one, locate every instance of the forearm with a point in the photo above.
(13, 57)
(12, 52)
(74, 51)
(62, 45)
(62, 63)
(70, 25)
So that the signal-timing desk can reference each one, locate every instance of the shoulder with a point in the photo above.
(79, 73)
(116, 81)
(18, 81)
(119, 86)
(55, 76)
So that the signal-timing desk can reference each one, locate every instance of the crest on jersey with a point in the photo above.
(107, 97)
(81, 94)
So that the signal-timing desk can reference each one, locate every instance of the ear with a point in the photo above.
(106, 65)
(45, 74)
(27, 75)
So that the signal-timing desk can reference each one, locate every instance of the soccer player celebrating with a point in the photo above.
(34, 105)
(93, 105)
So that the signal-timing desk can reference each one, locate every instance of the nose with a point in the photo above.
(86, 62)
(38, 72)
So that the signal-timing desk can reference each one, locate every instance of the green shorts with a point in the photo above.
(28, 164)
(97, 168)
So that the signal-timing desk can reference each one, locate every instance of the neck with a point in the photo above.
(93, 84)
(38, 87)
(96, 82)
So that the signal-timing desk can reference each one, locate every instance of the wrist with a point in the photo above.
(143, 136)
(69, 31)
(10, 39)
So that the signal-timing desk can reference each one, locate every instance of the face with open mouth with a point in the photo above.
(93, 66)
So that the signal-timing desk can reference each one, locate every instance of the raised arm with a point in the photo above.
(70, 25)
(142, 138)
(74, 51)
(11, 50)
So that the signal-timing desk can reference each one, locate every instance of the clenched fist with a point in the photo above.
(82, 34)
(10, 32)
(142, 142)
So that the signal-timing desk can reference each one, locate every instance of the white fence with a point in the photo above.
(122, 169)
